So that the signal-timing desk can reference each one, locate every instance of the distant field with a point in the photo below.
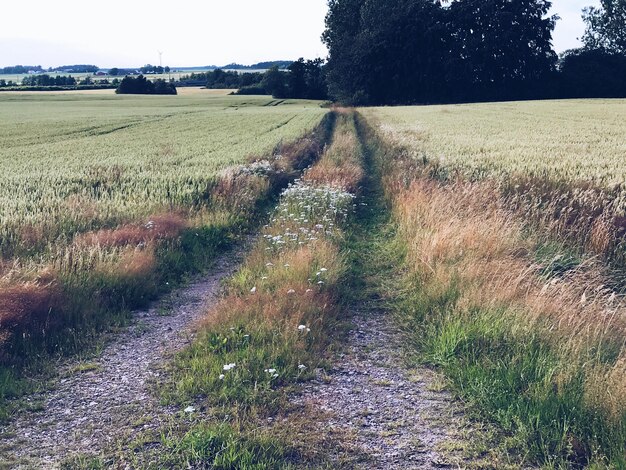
(570, 140)
(165, 76)
(74, 162)
(182, 91)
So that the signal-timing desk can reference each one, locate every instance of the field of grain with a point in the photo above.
(500, 211)
(105, 200)
(77, 162)
(560, 164)
(573, 140)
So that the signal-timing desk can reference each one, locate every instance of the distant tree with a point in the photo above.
(114, 71)
(21, 69)
(86, 81)
(306, 79)
(162, 87)
(166, 69)
(606, 26)
(76, 68)
(140, 85)
(275, 82)
(3, 83)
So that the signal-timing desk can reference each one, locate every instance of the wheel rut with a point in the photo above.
(93, 405)
(394, 416)
(391, 412)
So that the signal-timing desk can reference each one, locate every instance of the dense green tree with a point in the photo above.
(606, 26)
(306, 79)
(501, 47)
(275, 82)
(410, 51)
(591, 73)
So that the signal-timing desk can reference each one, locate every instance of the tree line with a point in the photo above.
(424, 51)
(140, 85)
(24, 69)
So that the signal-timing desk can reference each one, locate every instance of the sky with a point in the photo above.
(129, 33)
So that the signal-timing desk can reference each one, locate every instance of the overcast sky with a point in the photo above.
(128, 33)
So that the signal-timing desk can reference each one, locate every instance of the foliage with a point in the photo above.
(142, 86)
(224, 79)
(593, 73)
(606, 26)
(77, 68)
(20, 69)
(303, 80)
(47, 80)
(421, 51)
(156, 69)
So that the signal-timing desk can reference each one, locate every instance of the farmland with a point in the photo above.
(502, 209)
(118, 159)
(562, 140)
(466, 235)
(105, 200)
(560, 163)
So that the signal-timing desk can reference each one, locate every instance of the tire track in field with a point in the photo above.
(89, 411)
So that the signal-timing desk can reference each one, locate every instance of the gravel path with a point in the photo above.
(396, 417)
(95, 404)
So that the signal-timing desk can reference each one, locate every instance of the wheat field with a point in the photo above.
(74, 162)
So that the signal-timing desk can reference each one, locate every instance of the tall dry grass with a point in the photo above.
(536, 342)
(342, 165)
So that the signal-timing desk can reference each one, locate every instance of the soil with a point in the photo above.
(396, 416)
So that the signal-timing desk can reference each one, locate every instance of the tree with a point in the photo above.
(114, 71)
(502, 48)
(275, 82)
(306, 79)
(592, 73)
(410, 51)
(142, 86)
(606, 26)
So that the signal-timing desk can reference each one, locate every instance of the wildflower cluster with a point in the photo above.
(307, 213)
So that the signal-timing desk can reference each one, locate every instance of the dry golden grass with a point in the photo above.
(160, 226)
(342, 166)
(461, 233)
(24, 303)
(462, 227)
